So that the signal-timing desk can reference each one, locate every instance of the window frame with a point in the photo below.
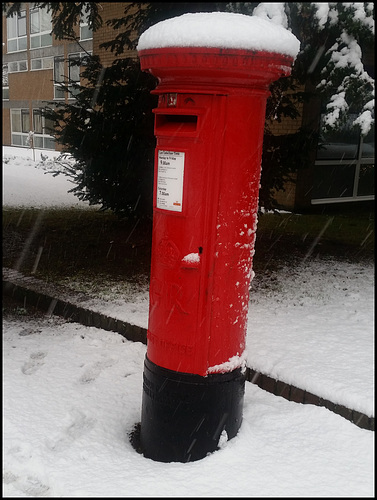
(17, 63)
(78, 56)
(20, 31)
(42, 34)
(59, 78)
(84, 28)
(41, 139)
(5, 82)
(23, 134)
(73, 77)
(47, 63)
(357, 163)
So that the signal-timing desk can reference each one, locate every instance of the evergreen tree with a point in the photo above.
(108, 129)
(114, 107)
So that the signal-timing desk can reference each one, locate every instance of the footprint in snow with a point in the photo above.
(80, 425)
(93, 371)
(29, 485)
(34, 363)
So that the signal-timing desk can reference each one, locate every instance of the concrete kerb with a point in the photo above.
(64, 302)
(61, 301)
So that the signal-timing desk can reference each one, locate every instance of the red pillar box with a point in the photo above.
(209, 127)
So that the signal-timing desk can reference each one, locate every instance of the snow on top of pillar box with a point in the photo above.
(224, 30)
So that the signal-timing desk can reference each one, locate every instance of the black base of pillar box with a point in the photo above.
(183, 415)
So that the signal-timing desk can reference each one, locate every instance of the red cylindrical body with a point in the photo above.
(209, 127)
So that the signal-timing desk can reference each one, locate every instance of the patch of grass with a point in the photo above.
(12, 309)
(287, 236)
(69, 244)
(64, 243)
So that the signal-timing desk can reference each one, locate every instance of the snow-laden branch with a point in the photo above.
(344, 77)
(344, 83)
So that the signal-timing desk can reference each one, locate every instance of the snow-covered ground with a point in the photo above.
(35, 189)
(72, 393)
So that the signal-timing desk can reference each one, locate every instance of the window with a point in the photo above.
(42, 63)
(5, 82)
(16, 66)
(20, 127)
(74, 63)
(364, 178)
(58, 77)
(72, 79)
(16, 32)
(85, 32)
(344, 169)
(41, 128)
(340, 144)
(40, 28)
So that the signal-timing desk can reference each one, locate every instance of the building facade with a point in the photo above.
(35, 63)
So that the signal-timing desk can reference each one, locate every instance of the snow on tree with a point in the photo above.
(344, 77)
(337, 32)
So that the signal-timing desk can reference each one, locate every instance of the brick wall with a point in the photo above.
(111, 10)
(287, 125)
(31, 85)
(286, 198)
(6, 127)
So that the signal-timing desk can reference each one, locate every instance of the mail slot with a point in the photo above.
(209, 132)
(170, 124)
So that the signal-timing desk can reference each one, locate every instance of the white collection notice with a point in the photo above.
(171, 165)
